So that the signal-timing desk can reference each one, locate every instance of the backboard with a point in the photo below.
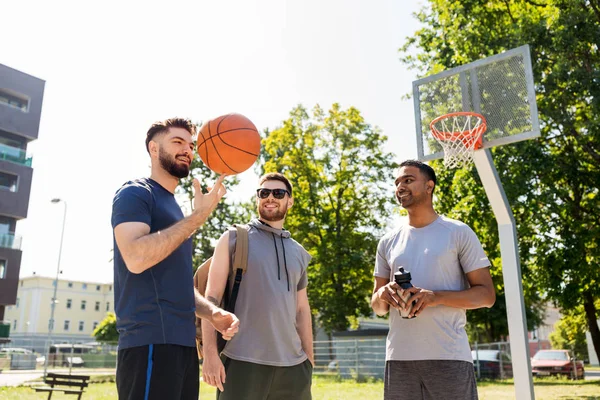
(499, 87)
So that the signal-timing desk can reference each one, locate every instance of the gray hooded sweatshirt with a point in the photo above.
(267, 299)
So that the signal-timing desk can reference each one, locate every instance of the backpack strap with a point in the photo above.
(240, 260)
(240, 264)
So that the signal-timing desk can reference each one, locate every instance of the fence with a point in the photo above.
(357, 359)
(352, 358)
(362, 358)
(492, 360)
(30, 353)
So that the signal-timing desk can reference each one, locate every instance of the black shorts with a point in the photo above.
(158, 372)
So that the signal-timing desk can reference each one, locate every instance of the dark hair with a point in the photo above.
(158, 128)
(276, 176)
(425, 169)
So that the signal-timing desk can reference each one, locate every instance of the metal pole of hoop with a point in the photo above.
(511, 272)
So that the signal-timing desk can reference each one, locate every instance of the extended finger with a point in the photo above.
(417, 308)
(221, 378)
(196, 186)
(413, 290)
(220, 179)
(208, 379)
(392, 298)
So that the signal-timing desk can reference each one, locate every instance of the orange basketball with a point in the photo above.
(228, 144)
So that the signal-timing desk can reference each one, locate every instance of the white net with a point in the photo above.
(459, 134)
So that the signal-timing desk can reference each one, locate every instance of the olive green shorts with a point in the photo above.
(250, 381)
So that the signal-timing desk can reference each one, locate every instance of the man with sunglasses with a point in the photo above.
(272, 355)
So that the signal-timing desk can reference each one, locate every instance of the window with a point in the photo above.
(107, 306)
(17, 303)
(97, 308)
(69, 303)
(98, 288)
(81, 326)
(8, 142)
(70, 284)
(83, 304)
(95, 325)
(13, 99)
(66, 325)
(14, 325)
(84, 286)
(3, 270)
(8, 181)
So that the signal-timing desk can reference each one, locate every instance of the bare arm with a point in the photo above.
(223, 321)
(304, 324)
(142, 250)
(213, 371)
(480, 294)
(204, 308)
(384, 295)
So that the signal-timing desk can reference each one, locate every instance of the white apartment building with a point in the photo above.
(79, 309)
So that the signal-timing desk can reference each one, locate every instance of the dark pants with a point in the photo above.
(250, 381)
(429, 380)
(159, 371)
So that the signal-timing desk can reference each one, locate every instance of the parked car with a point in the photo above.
(73, 362)
(490, 362)
(15, 350)
(557, 362)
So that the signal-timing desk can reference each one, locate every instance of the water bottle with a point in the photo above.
(402, 278)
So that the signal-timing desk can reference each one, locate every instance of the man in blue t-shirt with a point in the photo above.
(155, 299)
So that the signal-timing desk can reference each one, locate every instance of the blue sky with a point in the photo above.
(114, 68)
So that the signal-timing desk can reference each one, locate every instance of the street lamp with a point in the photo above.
(53, 302)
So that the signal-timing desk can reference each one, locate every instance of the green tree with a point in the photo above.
(106, 331)
(552, 183)
(342, 184)
(225, 214)
(569, 333)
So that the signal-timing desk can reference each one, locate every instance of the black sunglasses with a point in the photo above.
(277, 193)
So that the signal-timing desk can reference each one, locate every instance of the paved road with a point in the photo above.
(16, 378)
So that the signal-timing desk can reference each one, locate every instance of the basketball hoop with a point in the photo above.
(460, 134)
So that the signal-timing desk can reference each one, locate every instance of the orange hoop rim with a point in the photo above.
(476, 132)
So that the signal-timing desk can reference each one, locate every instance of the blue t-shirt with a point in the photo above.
(156, 306)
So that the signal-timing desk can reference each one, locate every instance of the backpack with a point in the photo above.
(236, 271)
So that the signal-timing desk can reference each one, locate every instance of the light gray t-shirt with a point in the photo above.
(438, 257)
(267, 300)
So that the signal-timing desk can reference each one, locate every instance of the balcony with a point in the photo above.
(4, 329)
(14, 155)
(10, 241)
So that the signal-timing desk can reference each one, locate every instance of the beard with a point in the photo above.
(169, 164)
(275, 215)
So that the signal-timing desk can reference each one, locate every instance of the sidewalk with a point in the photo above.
(21, 377)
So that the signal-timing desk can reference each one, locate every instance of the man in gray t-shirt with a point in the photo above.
(428, 354)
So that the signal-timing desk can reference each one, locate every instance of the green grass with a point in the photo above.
(333, 389)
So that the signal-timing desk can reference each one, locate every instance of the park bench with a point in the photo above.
(68, 384)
